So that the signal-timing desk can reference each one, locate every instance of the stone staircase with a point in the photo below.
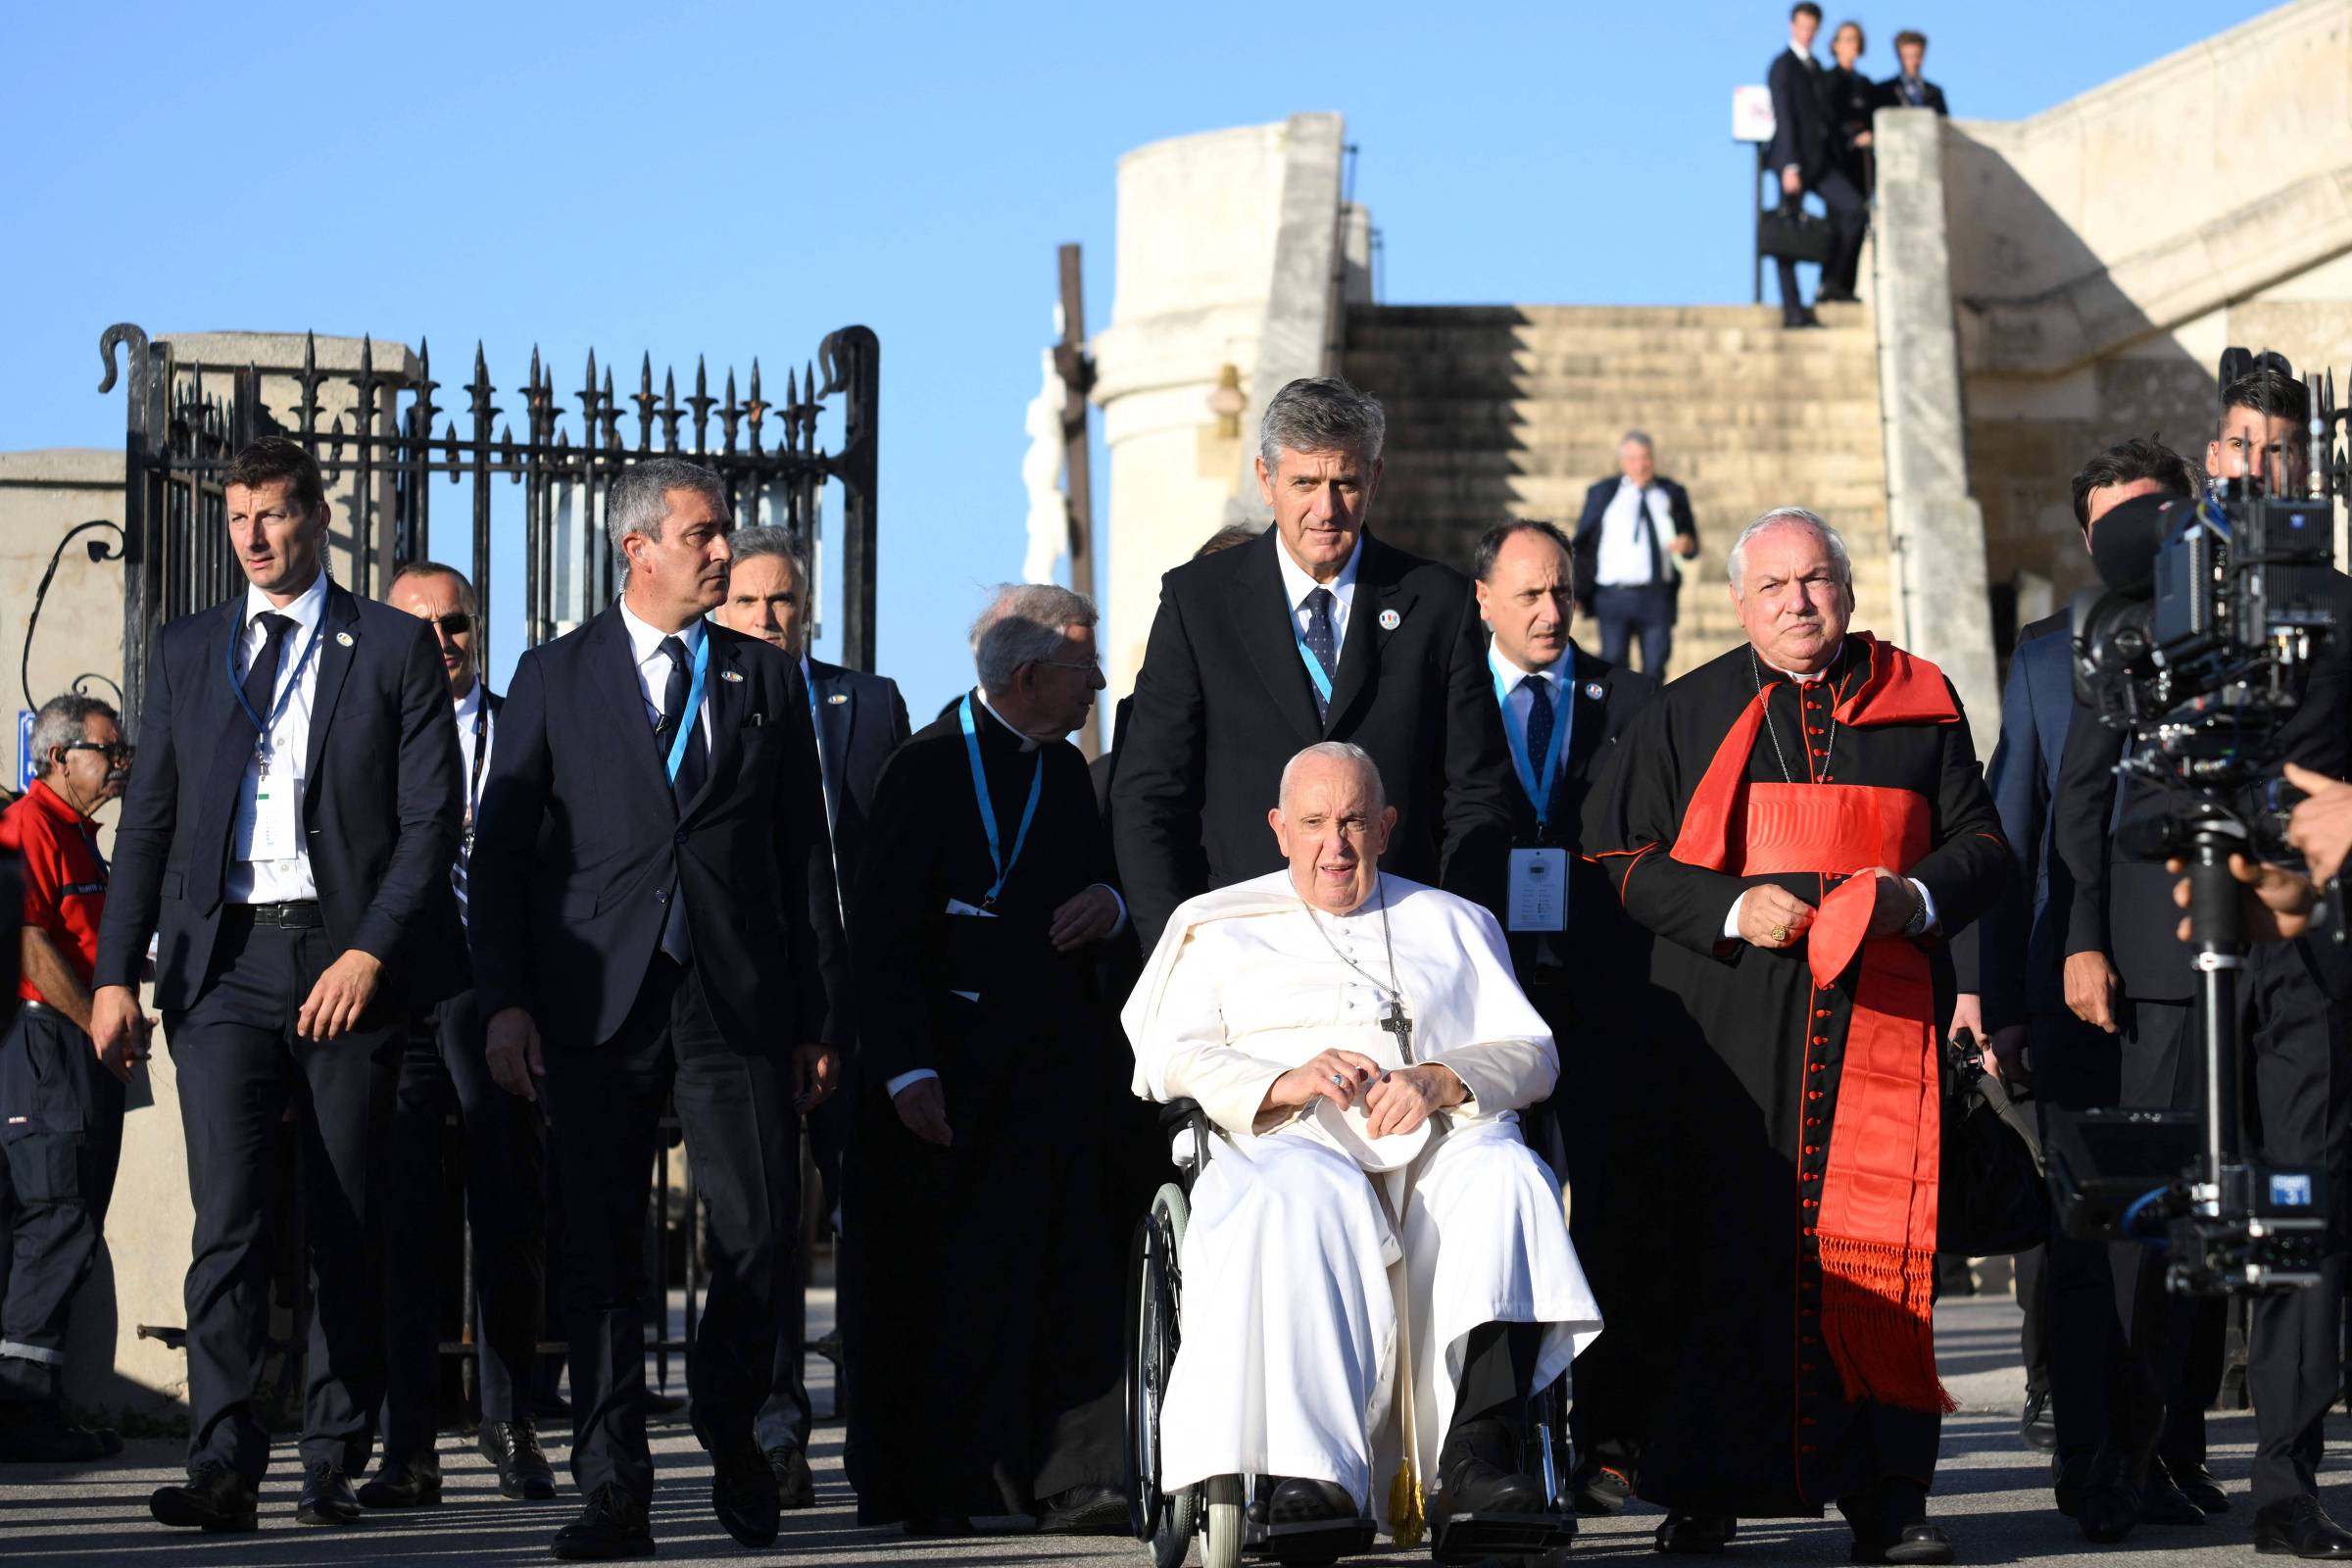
(1513, 411)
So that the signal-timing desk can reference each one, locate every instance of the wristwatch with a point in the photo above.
(1917, 926)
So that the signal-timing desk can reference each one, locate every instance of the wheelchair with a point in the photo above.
(1227, 1512)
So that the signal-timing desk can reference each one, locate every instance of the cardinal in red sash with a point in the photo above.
(1805, 823)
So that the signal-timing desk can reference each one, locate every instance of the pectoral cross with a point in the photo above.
(1394, 1022)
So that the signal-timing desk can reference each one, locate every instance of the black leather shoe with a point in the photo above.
(524, 1473)
(2161, 1502)
(2300, 1528)
(1914, 1543)
(39, 1434)
(412, 1483)
(2037, 1423)
(2198, 1486)
(1799, 318)
(213, 1499)
(326, 1496)
(1836, 296)
(1304, 1501)
(612, 1528)
(1084, 1511)
(796, 1488)
(743, 1491)
(1697, 1535)
(2108, 1509)
(1600, 1490)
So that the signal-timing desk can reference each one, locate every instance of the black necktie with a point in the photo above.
(677, 938)
(1650, 534)
(1538, 727)
(1322, 641)
(208, 856)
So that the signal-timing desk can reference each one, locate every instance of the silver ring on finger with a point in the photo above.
(1340, 1079)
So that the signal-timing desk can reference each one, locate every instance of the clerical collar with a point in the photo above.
(1028, 743)
(1823, 672)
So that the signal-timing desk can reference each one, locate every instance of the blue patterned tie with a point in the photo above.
(1322, 641)
(1538, 724)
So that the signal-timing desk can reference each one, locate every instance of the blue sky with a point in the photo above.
(739, 179)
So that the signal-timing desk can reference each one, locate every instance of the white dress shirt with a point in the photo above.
(1626, 529)
(1927, 900)
(654, 666)
(470, 711)
(1296, 585)
(895, 1085)
(282, 881)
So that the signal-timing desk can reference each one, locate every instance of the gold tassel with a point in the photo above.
(1405, 1518)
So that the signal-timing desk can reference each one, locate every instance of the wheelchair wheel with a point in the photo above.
(1227, 1521)
(1164, 1523)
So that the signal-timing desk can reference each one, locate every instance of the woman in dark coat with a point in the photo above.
(1850, 99)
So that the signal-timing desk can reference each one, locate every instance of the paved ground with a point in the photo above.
(1992, 1494)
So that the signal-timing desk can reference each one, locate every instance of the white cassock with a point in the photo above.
(1297, 1278)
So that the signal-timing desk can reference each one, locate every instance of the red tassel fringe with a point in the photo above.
(1878, 1317)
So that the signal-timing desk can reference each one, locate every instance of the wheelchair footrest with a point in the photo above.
(1474, 1537)
(1318, 1541)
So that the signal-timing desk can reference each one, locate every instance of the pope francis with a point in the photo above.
(1378, 1272)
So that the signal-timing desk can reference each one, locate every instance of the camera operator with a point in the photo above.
(2007, 967)
(2128, 972)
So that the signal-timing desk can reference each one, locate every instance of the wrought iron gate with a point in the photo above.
(382, 441)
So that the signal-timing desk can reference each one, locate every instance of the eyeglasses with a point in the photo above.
(1092, 666)
(117, 752)
(457, 623)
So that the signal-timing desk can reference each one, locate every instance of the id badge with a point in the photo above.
(1538, 899)
(276, 829)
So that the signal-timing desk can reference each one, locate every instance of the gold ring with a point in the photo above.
(1779, 933)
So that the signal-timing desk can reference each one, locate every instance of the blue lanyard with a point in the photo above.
(988, 811)
(694, 707)
(287, 680)
(1314, 669)
(1539, 791)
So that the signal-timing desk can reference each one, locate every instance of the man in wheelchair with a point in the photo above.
(1377, 1271)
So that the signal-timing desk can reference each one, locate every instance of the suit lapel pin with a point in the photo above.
(1390, 621)
(1592, 690)
(345, 638)
(730, 674)
(838, 698)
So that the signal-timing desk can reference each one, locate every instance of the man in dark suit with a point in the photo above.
(861, 720)
(442, 1069)
(2007, 965)
(288, 835)
(1624, 578)
(654, 917)
(1104, 768)
(1907, 88)
(1561, 711)
(2128, 974)
(1802, 158)
(1317, 631)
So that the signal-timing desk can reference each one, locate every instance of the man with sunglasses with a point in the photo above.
(442, 1067)
(61, 1103)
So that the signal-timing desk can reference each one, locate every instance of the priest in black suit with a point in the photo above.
(991, 1082)
(1317, 631)
(1581, 961)
(652, 919)
(861, 720)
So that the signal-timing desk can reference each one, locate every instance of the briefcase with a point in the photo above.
(1993, 1198)
(1791, 233)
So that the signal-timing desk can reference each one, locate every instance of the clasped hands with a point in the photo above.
(1397, 1099)
(1771, 916)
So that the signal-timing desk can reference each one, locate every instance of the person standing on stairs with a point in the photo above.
(1627, 572)
(1802, 159)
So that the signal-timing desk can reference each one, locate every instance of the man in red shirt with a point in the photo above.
(61, 1102)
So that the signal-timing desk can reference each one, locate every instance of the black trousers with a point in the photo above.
(61, 1131)
(241, 1068)
(2076, 1067)
(2297, 1108)
(442, 1067)
(1850, 217)
(1644, 612)
(787, 1418)
(604, 1104)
